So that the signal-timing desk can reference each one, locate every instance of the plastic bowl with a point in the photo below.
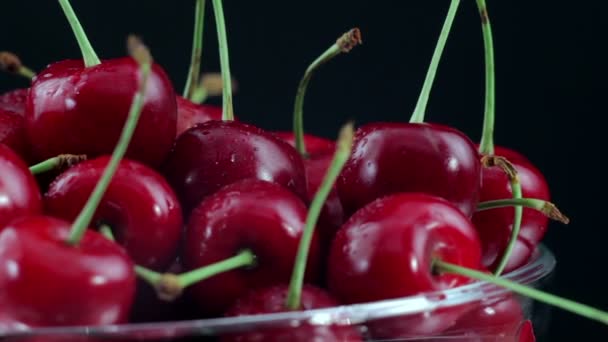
(402, 319)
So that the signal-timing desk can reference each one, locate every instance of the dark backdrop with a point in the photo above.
(547, 83)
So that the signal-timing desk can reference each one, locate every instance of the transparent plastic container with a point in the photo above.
(415, 318)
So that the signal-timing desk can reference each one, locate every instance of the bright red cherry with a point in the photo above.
(217, 153)
(189, 114)
(252, 214)
(390, 158)
(494, 225)
(78, 110)
(12, 132)
(386, 250)
(14, 101)
(46, 282)
(19, 193)
(272, 300)
(139, 206)
(314, 145)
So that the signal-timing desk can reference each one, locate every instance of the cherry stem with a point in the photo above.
(88, 53)
(170, 286)
(345, 43)
(547, 298)
(423, 99)
(486, 146)
(142, 55)
(197, 50)
(547, 208)
(341, 155)
(60, 162)
(516, 190)
(228, 111)
(9, 62)
(106, 231)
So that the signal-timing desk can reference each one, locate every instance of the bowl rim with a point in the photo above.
(541, 265)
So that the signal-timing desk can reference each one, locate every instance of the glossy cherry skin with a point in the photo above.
(272, 300)
(189, 114)
(217, 153)
(389, 158)
(139, 206)
(14, 101)
(495, 320)
(44, 282)
(19, 193)
(314, 145)
(12, 132)
(72, 109)
(386, 250)
(495, 225)
(252, 214)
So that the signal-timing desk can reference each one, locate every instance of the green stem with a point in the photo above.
(516, 189)
(486, 146)
(532, 203)
(86, 214)
(106, 231)
(88, 54)
(199, 95)
(26, 72)
(547, 298)
(423, 99)
(228, 112)
(148, 275)
(197, 50)
(59, 162)
(343, 149)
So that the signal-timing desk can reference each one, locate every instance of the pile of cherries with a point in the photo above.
(206, 216)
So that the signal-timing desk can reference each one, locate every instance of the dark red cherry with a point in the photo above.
(46, 282)
(78, 110)
(314, 145)
(252, 214)
(19, 193)
(14, 101)
(494, 225)
(217, 153)
(139, 206)
(272, 300)
(386, 250)
(12, 132)
(189, 114)
(390, 158)
(493, 320)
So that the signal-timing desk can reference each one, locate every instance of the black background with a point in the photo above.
(548, 86)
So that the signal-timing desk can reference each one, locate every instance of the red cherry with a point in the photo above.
(12, 132)
(490, 321)
(389, 158)
(138, 205)
(314, 145)
(217, 153)
(494, 225)
(78, 110)
(46, 282)
(252, 214)
(272, 300)
(14, 101)
(386, 250)
(190, 114)
(19, 193)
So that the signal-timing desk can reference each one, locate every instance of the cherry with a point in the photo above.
(272, 300)
(314, 145)
(19, 193)
(252, 214)
(138, 205)
(386, 250)
(90, 285)
(14, 101)
(89, 104)
(12, 132)
(217, 153)
(189, 114)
